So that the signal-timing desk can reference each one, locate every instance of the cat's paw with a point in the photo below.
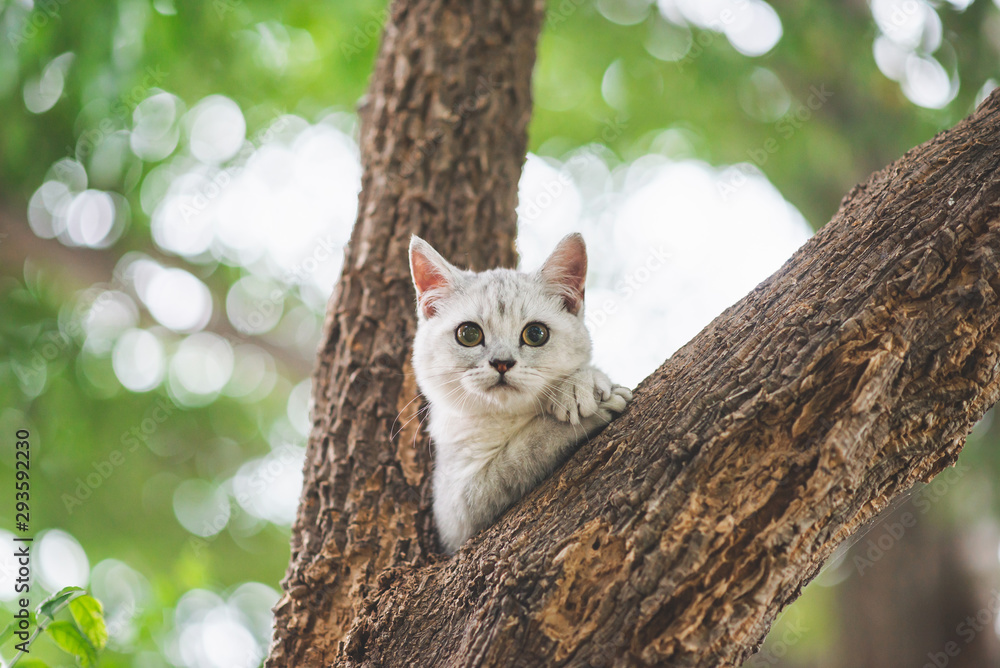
(584, 393)
(608, 409)
(618, 398)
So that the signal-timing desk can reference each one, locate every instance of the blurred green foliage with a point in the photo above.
(597, 81)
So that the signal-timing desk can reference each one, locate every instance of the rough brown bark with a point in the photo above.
(443, 139)
(676, 536)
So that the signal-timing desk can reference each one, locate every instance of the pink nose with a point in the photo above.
(503, 366)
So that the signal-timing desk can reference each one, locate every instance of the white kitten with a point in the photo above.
(503, 358)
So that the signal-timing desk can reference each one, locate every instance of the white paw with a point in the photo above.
(584, 393)
(618, 398)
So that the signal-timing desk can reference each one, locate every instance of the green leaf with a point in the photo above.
(89, 615)
(70, 638)
(50, 606)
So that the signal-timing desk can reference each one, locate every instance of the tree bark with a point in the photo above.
(443, 139)
(676, 536)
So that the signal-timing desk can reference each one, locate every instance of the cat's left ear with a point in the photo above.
(433, 276)
(566, 271)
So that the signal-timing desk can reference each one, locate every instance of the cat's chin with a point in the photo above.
(508, 402)
(503, 394)
(494, 399)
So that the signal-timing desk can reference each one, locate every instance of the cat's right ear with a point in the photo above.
(433, 276)
(566, 271)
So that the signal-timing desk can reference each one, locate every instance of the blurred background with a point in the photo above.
(177, 181)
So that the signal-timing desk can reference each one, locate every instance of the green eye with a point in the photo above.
(535, 334)
(469, 334)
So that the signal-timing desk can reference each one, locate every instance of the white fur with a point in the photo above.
(495, 443)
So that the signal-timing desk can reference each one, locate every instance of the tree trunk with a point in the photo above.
(443, 139)
(676, 536)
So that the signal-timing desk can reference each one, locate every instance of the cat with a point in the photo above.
(503, 359)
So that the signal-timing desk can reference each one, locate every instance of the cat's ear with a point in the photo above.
(566, 271)
(433, 276)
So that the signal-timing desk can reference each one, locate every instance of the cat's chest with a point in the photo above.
(475, 438)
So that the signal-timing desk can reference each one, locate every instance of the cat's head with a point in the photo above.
(498, 341)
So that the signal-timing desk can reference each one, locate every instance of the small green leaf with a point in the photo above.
(68, 637)
(89, 615)
(50, 606)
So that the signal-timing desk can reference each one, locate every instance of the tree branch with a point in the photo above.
(677, 535)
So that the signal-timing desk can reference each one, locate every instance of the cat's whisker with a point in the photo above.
(416, 432)
(554, 399)
(424, 409)
(394, 434)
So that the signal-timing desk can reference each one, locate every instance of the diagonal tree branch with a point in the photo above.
(676, 536)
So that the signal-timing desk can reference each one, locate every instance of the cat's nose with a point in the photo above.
(503, 366)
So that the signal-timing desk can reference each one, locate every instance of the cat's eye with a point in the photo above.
(469, 334)
(535, 334)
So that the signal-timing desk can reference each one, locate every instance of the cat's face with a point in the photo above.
(498, 341)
